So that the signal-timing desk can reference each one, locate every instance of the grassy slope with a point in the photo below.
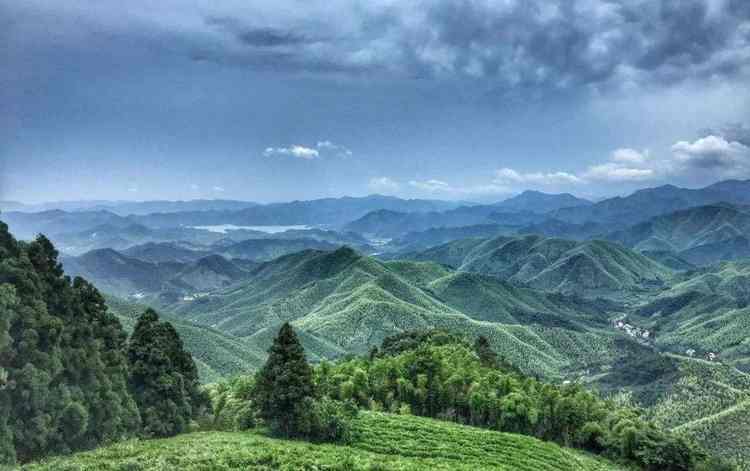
(384, 442)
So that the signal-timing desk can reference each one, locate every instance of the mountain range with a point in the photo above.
(568, 266)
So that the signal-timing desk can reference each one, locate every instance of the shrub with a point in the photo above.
(244, 418)
(326, 420)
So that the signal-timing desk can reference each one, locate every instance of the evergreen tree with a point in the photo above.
(7, 306)
(62, 371)
(163, 378)
(284, 383)
(487, 356)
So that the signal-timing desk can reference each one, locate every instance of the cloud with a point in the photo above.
(383, 185)
(733, 132)
(336, 149)
(506, 176)
(616, 172)
(133, 189)
(195, 187)
(552, 44)
(218, 189)
(713, 153)
(705, 159)
(439, 186)
(629, 156)
(321, 149)
(301, 152)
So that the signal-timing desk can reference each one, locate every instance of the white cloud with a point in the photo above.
(617, 172)
(508, 176)
(629, 156)
(195, 187)
(431, 185)
(298, 151)
(383, 185)
(439, 186)
(321, 149)
(133, 189)
(713, 153)
(336, 149)
(218, 189)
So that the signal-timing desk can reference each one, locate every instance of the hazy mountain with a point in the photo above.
(391, 224)
(125, 208)
(650, 202)
(538, 202)
(267, 249)
(327, 211)
(28, 225)
(167, 252)
(122, 275)
(700, 235)
(552, 264)
(414, 241)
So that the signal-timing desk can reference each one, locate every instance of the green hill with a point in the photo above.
(343, 302)
(591, 267)
(383, 442)
(701, 235)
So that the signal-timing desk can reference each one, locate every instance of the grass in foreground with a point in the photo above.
(384, 442)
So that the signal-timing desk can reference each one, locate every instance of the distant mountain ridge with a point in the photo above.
(700, 235)
(651, 202)
(538, 202)
(551, 264)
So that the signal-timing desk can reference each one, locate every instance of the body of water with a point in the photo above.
(223, 228)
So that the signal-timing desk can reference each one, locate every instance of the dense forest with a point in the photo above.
(69, 377)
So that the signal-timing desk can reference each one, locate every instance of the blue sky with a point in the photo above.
(271, 101)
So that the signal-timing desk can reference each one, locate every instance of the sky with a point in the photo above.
(282, 100)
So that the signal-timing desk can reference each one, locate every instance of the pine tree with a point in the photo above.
(163, 378)
(284, 383)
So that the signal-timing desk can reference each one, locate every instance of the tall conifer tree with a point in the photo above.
(284, 383)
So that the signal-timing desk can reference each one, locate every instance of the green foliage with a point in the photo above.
(326, 420)
(217, 355)
(451, 382)
(381, 442)
(163, 378)
(283, 385)
(63, 375)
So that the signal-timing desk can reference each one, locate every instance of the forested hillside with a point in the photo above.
(69, 375)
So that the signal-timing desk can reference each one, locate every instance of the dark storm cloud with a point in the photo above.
(517, 44)
(511, 44)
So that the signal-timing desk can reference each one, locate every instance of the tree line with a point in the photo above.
(70, 379)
